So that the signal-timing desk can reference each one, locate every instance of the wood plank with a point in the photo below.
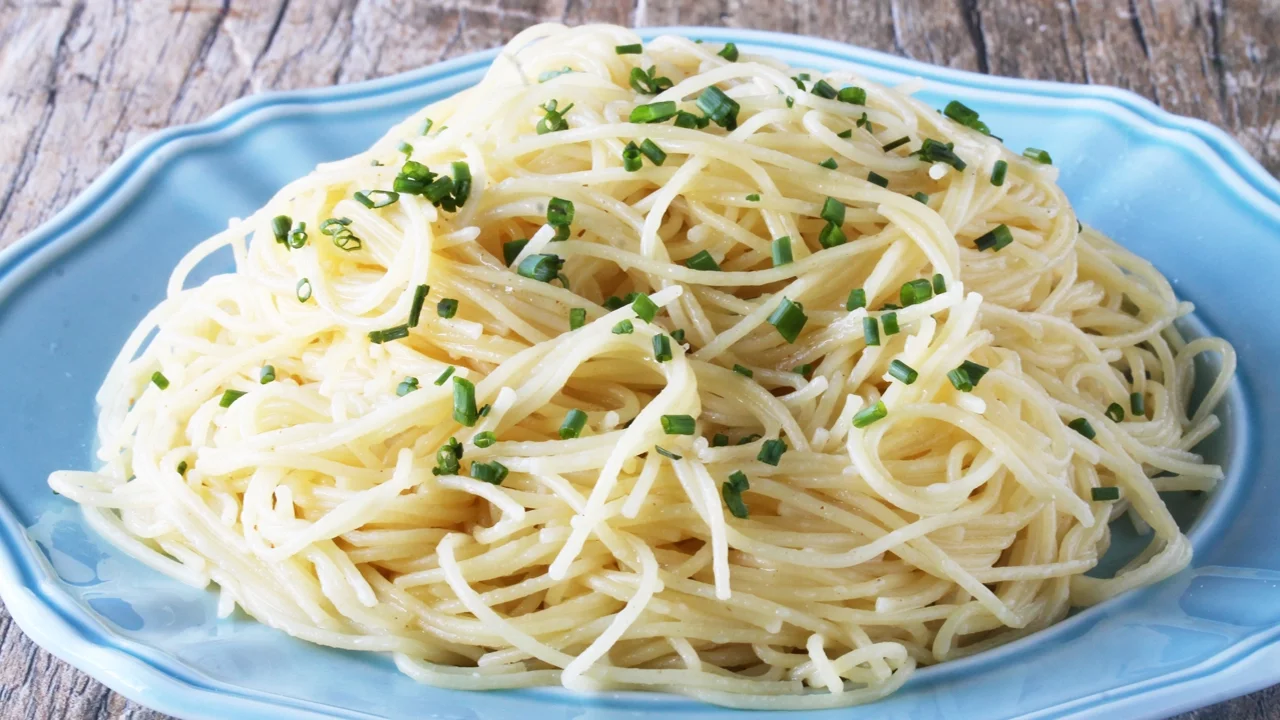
(88, 79)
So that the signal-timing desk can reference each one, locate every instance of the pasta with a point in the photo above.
(659, 366)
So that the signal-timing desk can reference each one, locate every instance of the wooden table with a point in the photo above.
(80, 82)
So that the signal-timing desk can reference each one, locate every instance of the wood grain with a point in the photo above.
(88, 79)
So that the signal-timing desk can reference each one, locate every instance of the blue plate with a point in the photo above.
(1177, 191)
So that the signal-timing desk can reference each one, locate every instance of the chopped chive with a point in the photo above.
(1115, 412)
(771, 451)
(747, 440)
(614, 302)
(182, 467)
(678, 335)
(442, 377)
(492, 472)
(553, 120)
(753, 197)
(666, 453)
(653, 112)
(868, 415)
(823, 89)
(577, 318)
(415, 310)
(543, 268)
(661, 348)
(559, 212)
(634, 49)
(1138, 404)
(645, 83)
(623, 328)
(791, 101)
(426, 126)
(574, 421)
(831, 236)
(852, 95)
(974, 370)
(902, 371)
(1082, 426)
(896, 143)
(719, 440)
(461, 182)
(781, 250)
(702, 260)
(645, 308)
(406, 386)
(374, 199)
(789, 319)
(939, 284)
(297, 236)
(877, 179)
(800, 79)
(722, 109)
(934, 151)
(870, 331)
(829, 163)
(803, 370)
(511, 250)
(1040, 156)
(966, 116)
(845, 134)
(890, 322)
(1104, 494)
(484, 439)
(914, 292)
(447, 308)
(857, 299)
(392, 333)
(405, 148)
(631, 161)
(732, 490)
(832, 211)
(960, 380)
(741, 370)
(229, 397)
(865, 122)
(267, 374)
(995, 240)
(464, 402)
(280, 225)
(677, 424)
(303, 290)
(160, 380)
(690, 121)
(447, 458)
(998, 172)
(439, 189)
(729, 52)
(891, 306)
(921, 198)
(484, 411)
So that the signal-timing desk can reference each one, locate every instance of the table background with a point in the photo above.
(81, 81)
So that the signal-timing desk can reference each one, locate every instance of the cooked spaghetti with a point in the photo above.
(659, 366)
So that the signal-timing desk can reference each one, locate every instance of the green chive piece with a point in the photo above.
(623, 328)
(484, 439)
(896, 143)
(702, 260)
(1040, 156)
(661, 348)
(865, 122)
(914, 292)
(803, 370)
(719, 440)
(939, 284)
(1115, 412)
(690, 121)
(553, 120)
(653, 112)
(960, 380)
(902, 371)
(791, 101)
(749, 439)
(631, 161)
(871, 331)
(832, 211)
(447, 308)
(868, 415)
(845, 134)
(831, 236)
(406, 386)
(464, 402)
(823, 89)
(677, 424)
(183, 467)
(781, 250)
(966, 116)
(374, 199)
(484, 411)
(577, 318)
(829, 163)
(934, 151)
(461, 182)
(877, 179)
(267, 374)
(741, 370)
(303, 290)
(678, 335)
(160, 380)
(666, 453)
(722, 110)
(444, 376)
(297, 236)
(974, 370)
(393, 333)
(789, 319)
(995, 240)
(753, 197)
(857, 299)
(732, 491)
(447, 458)
(771, 451)
(1082, 426)
(634, 49)
(492, 472)
(921, 198)
(543, 268)
(729, 52)
(280, 225)
(614, 302)
(229, 397)
(644, 82)
(852, 95)
(998, 172)
(1104, 494)
(559, 212)
(511, 250)
(890, 322)
(645, 308)
(405, 148)
(574, 421)
(419, 299)
(426, 126)
(1138, 405)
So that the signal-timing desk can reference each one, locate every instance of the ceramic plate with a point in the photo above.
(1177, 191)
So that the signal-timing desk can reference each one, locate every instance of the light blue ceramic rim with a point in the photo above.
(54, 621)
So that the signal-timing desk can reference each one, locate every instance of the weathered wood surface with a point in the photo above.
(81, 81)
